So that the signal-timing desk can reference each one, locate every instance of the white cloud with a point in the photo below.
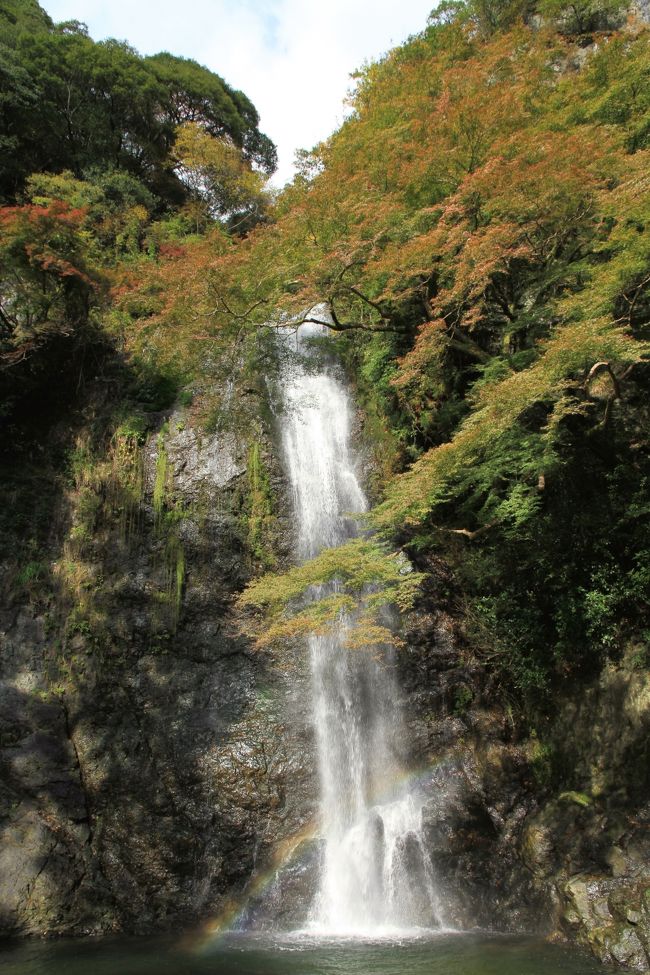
(293, 58)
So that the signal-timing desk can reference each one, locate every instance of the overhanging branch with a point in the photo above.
(471, 534)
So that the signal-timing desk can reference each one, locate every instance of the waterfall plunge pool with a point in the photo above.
(300, 954)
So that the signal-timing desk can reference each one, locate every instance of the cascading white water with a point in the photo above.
(375, 874)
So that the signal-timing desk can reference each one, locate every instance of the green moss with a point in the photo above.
(541, 757)
(463, 697)
(578, 798)
(179, 579)
(162, 474)
(170, 596)
(126, 481)
(87, 510)
(259, 517)
(30, 573)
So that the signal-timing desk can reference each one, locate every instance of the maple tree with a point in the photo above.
(47, 277)
(220, 179)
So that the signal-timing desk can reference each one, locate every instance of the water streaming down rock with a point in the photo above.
(375, 873)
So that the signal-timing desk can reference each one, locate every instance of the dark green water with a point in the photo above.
(449, 954)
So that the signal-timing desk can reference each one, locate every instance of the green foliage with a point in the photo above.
(617, 83)
(117, 206)
(640, 657)
(562, 590)
(366, 579)
(491, 16)
(580, 17)
(133, 428)
(76, 623)
(578, 798)
(31, 572)
(541, 756)
(479, 226)
(22, 15)
(218, 177)
(195, 94)
(87, 510)
(463, 697)
(73, 104)
(50, 288)
(47, 278)
(125, 487)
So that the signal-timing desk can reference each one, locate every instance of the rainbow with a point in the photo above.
(285, 853)
(291, 850)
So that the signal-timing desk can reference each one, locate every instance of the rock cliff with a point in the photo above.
(154, 767)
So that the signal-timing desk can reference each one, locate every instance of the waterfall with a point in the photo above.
(375, 874)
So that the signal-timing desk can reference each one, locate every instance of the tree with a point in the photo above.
(47, 281)
(193, 93)
(18, 96)
(220, 180)
(580, 17)
(69, 103)
(118, 207)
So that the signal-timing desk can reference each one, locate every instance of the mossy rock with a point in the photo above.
(625, 947)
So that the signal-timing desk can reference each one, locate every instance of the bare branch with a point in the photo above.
(471, 534)
(241, 317)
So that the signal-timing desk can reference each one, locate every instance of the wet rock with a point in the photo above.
(144, 766)
(201, 461)
(537, 850)
(626, 949)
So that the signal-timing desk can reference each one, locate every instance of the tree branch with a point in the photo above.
(471, 534)
(338, 326)
(369, 301)
(240, 317)
(463, 343)
(616, 382)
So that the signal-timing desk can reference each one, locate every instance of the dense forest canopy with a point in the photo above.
(98, 142)
(479, 228)
(69, 103)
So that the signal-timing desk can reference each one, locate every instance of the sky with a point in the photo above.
(292, 58)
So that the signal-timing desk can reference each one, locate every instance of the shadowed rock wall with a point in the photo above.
(144, 754)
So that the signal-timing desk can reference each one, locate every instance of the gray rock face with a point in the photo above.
(146, 769)
(200, 462)
(45, 860)
(475, 783)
